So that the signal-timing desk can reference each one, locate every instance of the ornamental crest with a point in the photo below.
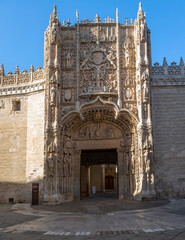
(98, 67)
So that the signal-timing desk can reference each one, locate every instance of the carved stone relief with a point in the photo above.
(68, 96)
(50, 161)
(98, 131)
(68, 79)
(143, 30)
(67, 164)
(2, 104)
(67, 57)
(98, 33)
(53, 96)
(98, 65)
(145, 81)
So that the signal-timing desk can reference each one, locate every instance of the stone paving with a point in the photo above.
(21, 221)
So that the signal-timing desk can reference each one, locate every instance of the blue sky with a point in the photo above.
(23, 23)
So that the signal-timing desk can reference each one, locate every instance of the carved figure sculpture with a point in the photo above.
(110, 57)
(143, 31)
(67, 165)
(50, 166)
(53, 36)
(2, 104)
(145, 87)
(127, 57)
(68, 58)
(53, 95)
(109, 132)
(97, 131)
(146, 162)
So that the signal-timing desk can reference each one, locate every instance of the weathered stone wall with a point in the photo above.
(21, 145)
(35, 140)
(168, 103)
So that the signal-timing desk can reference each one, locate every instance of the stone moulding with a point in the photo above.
(23, 89)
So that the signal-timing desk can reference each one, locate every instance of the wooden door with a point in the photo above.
(109, 182)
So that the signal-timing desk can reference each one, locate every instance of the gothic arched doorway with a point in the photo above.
(98, 125)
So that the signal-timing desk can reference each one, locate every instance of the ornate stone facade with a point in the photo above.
(96, 89)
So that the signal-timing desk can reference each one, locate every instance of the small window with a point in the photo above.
(16, 105)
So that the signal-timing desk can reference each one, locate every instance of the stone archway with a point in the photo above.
(98, 125)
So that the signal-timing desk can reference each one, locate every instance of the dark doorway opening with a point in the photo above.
(98, 173)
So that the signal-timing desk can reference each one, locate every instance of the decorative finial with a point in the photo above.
(55, 8)
(181, 62)
(140, 13)
(9, 73)
(64, 24)
(31, 68)
(17, 70)
(68, 23)
(140, 6)
(97, 19)
(38, 68)
(77, 15)
(54, 16)
(24, 71)
(117, 15)
(2, 70)
(165, 62)
(131, 21)
(126, 22)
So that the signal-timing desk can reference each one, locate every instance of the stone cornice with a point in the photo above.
(167, 81)
(23, 89)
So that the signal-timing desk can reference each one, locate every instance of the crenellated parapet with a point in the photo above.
(21, 82)
(168, 70)
(20, 78)
(168, 74)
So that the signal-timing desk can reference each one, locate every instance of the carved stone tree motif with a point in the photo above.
(98, 65)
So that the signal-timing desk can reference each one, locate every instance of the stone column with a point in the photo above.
(76, 174)
(88, 186)
(121, 175)
(77, 60)
(103, 177)
(118, 57)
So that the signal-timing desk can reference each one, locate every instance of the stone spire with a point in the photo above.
(117, 15)
(140, 13)
(77, 16)
(2, 70)
(54, 16)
